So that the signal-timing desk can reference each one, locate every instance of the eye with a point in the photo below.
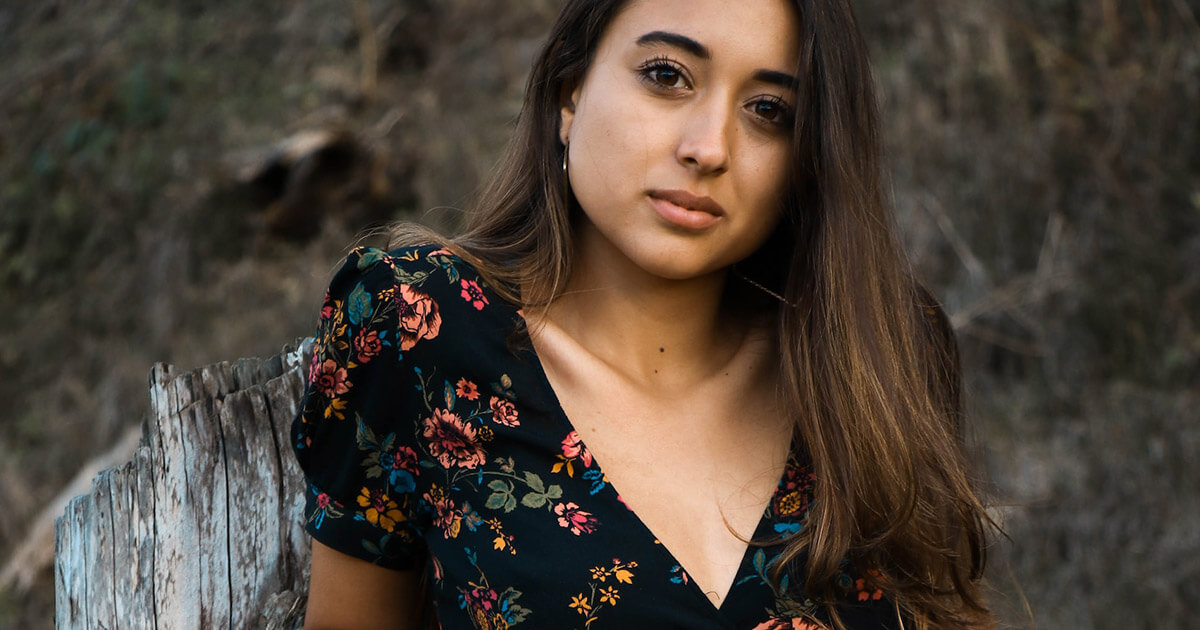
(772, 110)
(663, 73)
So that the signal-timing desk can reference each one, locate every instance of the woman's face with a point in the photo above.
(680, 132)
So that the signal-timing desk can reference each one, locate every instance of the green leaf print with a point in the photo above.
(501, 496)
(535, 482)
(404, 276)
(533, 500)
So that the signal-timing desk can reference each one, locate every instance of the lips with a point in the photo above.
(684, 210)
(688, 201)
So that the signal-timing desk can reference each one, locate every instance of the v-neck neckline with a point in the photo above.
(559, 412)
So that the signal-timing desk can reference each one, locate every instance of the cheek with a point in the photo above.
(611, 134)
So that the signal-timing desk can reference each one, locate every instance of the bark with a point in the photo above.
(203, 527)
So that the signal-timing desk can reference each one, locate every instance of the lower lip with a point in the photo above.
(682, 217)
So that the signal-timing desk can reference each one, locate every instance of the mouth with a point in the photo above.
(686, 211)
(689, 202)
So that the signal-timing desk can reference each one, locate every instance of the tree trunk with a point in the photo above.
(203, 528)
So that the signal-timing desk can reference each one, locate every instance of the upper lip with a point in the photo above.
(687, 200)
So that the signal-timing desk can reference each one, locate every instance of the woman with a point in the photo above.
(683, 272)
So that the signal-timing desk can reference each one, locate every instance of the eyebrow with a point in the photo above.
(697, 49)
(675, 39)
(782, 79)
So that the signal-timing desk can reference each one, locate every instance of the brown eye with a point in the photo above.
(663, 74)
(772, 110)
(666, 76)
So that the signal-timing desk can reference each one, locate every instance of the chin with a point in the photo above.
(670, 265)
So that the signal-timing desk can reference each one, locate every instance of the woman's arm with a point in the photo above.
(346, 592)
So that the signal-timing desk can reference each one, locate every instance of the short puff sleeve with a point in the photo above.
(359, 471)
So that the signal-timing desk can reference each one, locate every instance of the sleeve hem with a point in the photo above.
(346, 529)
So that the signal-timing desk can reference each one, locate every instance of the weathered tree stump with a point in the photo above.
(203, 528)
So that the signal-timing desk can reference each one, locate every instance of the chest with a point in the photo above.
(697, 467)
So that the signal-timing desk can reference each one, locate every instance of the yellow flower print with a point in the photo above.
(334, 410)
(580, 604)
(609, 595)
(381, 510)
(600, 574)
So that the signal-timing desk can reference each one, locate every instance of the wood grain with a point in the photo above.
(203, 527)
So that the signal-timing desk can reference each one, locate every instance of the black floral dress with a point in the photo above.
(430, 442)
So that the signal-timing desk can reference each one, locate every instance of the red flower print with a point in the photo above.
(448, 516)
(575, 519)
(404, 459)
(367, 345)
(866, 587)
(327, 309)
(466, 389)
(331, 381)
(381, 510)
(323, 500)
(480, 597)
(504, 412)
(452, 440)
(473, 294)
(419, 316)
(573, 447)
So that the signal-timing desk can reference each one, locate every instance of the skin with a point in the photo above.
(346, 592)
(674, 396)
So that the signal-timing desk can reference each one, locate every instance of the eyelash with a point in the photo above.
(647, 70)
(648, 73)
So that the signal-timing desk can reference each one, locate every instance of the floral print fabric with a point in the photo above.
(430, 441)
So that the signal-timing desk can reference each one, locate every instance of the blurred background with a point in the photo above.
(178, 179)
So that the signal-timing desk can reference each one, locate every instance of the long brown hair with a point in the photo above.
(868, 360)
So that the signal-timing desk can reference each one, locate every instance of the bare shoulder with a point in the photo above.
(346, 592)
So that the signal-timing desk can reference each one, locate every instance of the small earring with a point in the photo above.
(565, 175)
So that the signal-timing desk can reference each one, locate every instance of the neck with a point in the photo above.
(650, 329)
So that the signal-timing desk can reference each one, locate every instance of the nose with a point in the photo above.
(704, 141)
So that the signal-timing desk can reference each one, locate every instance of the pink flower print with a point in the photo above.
(452, 441)
(778, 623)
(575, 519)
(331, 381)
(314, 368)
(573, 446)
(367, 344)
(419, 316)
(504, 412)
(472, 293)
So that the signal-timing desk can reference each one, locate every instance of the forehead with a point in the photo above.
(762, 32)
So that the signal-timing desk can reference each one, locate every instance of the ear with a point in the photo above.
(567, 100)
